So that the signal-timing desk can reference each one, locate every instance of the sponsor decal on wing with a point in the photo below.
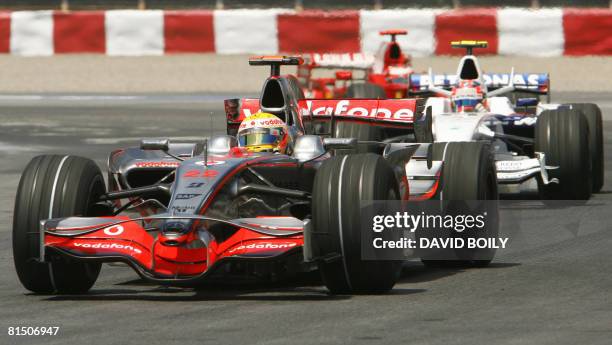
(490, 79)
(103, 245)
(261, 247)
(383, 110)
(348, 60)
(392, 110)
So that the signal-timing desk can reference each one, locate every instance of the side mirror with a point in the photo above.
(339, 143)
(155, 144)
(344, 75)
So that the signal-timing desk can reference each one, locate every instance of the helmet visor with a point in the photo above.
(260, 136)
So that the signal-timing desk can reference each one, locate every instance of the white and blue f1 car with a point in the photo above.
(558, 145)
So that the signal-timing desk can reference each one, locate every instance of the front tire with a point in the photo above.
(594, 121)
(468, 174)
(53, 186)
(563, 136)
(340, 185)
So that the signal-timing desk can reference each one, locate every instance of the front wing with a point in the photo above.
(136, 242)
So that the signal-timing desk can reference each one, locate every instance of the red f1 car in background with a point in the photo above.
(386, 74)
(185, 213)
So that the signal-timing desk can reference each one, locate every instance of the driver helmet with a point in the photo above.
(467, 95)
(263, 132)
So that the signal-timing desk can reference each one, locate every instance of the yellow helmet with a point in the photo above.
(263, 132)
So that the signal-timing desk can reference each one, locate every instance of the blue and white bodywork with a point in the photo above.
(496, 119)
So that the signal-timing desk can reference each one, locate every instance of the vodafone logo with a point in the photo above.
(114, 230)
(259, 123)
(157, 164)
(266, 245)
(271, 122)
(385, 110)
(344, 108)
(108, 246)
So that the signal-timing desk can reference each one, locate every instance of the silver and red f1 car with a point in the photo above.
(186, 213)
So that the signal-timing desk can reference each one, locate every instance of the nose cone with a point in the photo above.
(174, 232)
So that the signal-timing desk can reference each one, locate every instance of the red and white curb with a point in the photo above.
(510, 31)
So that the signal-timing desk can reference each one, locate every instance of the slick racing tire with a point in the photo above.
(563, 136)
(360, 131)
(53, 186)
(468, 174)
(365, 90)
(593, 116)
(341, 183)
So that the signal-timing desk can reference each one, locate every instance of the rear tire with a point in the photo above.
(341, 183)
(594, 120)
(468, 174)
(365, 90)
(563, 136)
(70, 186)
(360, 131)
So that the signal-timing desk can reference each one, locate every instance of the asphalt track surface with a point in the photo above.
(558, 292)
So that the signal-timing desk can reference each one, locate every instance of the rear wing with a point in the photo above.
(389, 111)
(343, 61)
(349, 61)
(386, 112)
(532, 81)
